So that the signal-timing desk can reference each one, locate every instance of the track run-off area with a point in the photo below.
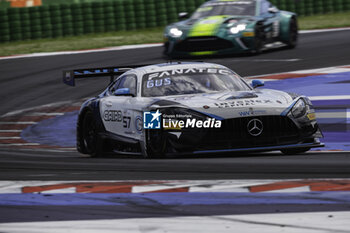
(47, 186)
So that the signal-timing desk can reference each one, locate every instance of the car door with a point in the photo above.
(116, 112)
(271, 23)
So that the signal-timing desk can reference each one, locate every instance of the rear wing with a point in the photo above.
(69, 76)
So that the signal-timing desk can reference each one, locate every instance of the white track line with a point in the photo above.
(127, 47)
(45, 114)
(19, 144)
(306, 222)
(17, 123)
(17, 112)
(324, 30)
(9, 138)
(334, 97)
(108, 49)
(331, 70)
(327, 70)
(10, 131)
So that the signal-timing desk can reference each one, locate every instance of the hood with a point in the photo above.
(232, 104)
(208, 26)
(211, 25)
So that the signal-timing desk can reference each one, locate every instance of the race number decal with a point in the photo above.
(276, 28)
(126, 121)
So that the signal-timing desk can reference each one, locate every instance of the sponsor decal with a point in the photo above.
(95, 71)
(167, 73)
(248, 34)
(252, 112)
(111, 115)
(311, 116)
(117, 116)
(255, 127)
(138, 123)
(240, 103)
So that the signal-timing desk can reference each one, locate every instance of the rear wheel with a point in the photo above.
(258, 41)
(91, 140)
(293, 34)
(295, 151)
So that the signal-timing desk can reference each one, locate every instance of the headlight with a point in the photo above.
(238, 28)
(175, 32)
(299, 109)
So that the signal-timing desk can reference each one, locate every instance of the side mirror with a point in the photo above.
(183, 15)
(273, 10)
(257, 83)
(123, 92)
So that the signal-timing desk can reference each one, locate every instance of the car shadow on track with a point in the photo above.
(208, 156)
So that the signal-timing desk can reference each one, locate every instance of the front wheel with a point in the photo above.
(258, 41)
(91, 141)
(293, 34)
(155, 144)
(295, 151)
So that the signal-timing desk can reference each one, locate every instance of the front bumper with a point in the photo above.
(208, 45)
(279, 132)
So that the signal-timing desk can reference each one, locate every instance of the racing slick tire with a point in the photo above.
(155, 144)
(293, 34)
(258, 41)
(295, 151)
(92, 142)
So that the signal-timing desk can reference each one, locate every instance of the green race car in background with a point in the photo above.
(230, 27)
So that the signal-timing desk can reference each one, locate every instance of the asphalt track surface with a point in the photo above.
(29, 82)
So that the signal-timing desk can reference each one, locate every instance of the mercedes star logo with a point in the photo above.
(255, 127)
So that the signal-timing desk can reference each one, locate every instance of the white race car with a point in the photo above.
(190, 108)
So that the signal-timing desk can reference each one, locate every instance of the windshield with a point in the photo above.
(191, 81)
(225, 8)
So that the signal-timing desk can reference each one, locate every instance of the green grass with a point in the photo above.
(325, 21)
(88, 41)
(154, 35)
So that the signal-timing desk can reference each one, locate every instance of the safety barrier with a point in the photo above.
(88, 16)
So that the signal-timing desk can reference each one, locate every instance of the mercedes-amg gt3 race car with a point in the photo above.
(230, 27)
(190, 108)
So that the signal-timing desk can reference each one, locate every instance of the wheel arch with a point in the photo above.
(285, 19)
(93, 106)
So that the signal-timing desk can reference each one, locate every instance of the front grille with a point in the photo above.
(277, 130)
(205, 43)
